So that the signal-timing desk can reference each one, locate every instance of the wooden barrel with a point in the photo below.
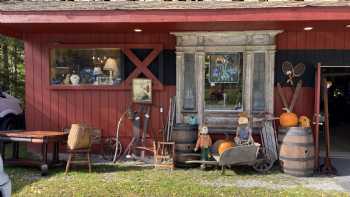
(185, 138)
(296, 151)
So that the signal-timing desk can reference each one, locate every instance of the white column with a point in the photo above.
(200, 82)
(248, 82)
(179, 85)
(269, 80)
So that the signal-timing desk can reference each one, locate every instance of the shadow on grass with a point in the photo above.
(21, 177)
(25, 176)
(249, 171)
(103, 168)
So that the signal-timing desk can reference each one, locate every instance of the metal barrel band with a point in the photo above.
(286, 131)
(310, 170)
(296, 144)
(297, 133)
(296, 159)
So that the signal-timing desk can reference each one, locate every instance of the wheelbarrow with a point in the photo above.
(249, 154)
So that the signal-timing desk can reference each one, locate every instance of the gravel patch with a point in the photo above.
(256, 183)
(286, 182)
(326, 186)
(247, 183)
(344, 182)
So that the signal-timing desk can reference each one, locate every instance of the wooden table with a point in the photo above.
(35, 137)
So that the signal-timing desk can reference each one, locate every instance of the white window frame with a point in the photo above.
(246, 42)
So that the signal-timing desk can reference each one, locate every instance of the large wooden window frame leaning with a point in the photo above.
(141, 66)
(246, 42)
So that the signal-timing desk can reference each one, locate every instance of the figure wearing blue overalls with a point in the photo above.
(244, 132)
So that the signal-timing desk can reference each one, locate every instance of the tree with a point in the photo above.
(12, 66)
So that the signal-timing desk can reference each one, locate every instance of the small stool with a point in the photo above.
(164, 154)
(73, 153)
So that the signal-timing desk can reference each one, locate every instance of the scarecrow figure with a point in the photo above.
(203, 142)
(244, 132)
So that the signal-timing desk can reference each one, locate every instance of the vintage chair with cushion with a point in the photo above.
(79, 143)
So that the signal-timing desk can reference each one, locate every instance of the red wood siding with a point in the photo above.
(55, 109)
(301, 40)
(304, 105)
(48, 109)
(314, 40)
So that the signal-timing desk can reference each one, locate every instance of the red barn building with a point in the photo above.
(218, 57)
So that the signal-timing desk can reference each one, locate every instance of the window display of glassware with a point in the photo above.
(85, 66)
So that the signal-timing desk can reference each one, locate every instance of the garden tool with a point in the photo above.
(146, 117)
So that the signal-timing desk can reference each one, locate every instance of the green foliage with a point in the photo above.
(12, 66)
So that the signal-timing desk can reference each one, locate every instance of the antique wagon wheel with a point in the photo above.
(108, 147)
(263, 165)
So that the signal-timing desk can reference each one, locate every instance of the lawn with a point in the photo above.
(126, 180)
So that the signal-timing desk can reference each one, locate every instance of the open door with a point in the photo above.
(317, 115)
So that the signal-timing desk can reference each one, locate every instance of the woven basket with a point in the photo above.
(79, 137)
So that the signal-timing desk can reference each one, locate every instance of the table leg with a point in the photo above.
(2, 149)
(15, 150)
(44, 167)
(55, 154)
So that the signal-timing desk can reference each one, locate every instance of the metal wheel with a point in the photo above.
(263, 166)
(108, 148)
(44, 169)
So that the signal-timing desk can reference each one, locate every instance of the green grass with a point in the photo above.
(121, 180)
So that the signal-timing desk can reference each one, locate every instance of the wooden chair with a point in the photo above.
(73, 153)
(164, 154)
(95, 138)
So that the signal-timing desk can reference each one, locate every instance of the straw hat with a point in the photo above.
(243, 119)
(203, 130)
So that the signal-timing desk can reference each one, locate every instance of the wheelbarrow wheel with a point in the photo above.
(263, 166)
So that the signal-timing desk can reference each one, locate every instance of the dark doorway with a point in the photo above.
(338, 81)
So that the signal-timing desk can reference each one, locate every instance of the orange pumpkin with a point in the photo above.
(288, 119)
(304, 122)
(223, 146)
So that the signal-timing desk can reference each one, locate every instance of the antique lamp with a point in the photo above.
(111, 65)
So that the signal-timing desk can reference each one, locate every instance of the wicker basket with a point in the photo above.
(79, 137)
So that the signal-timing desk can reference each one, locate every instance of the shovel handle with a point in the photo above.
(295, 95)
(283, 98)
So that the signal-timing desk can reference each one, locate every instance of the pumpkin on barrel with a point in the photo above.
(288, 119)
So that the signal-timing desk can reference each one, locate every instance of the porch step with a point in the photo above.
(336, 155)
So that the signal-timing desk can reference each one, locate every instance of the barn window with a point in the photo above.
(86, 66)
(223, 81)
